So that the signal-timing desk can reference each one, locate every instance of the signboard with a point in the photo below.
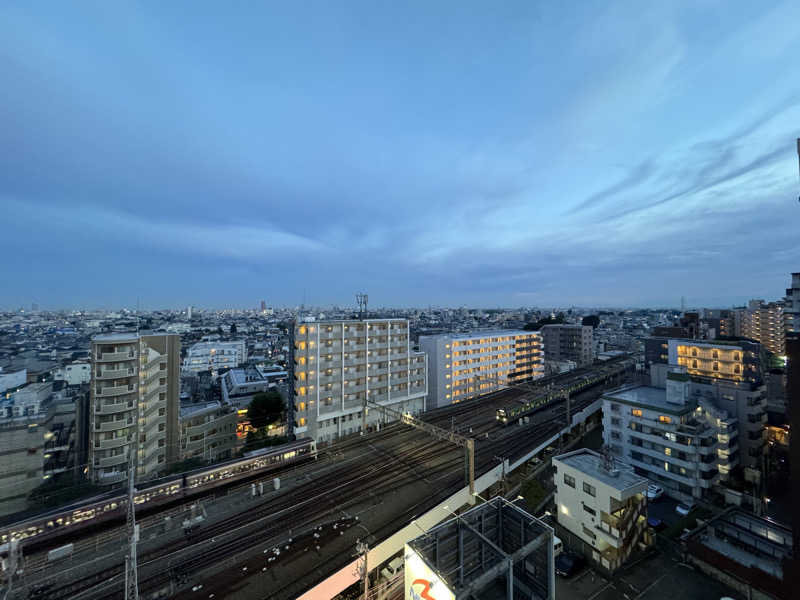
(421, 583)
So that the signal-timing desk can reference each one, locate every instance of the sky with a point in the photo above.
(429, 153)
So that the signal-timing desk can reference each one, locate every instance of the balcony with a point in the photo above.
(116, 356)
(114, 425)
(155, 407)
(115, 390)
(117, 442)
(116, 373)
(111, 461)
(113, 408)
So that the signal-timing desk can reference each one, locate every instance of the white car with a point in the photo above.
(653, 492)
(684, 509)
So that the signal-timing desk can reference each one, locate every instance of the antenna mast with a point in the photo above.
(361, 300)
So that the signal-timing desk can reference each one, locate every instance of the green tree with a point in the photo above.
(593, 320)
(265, 408)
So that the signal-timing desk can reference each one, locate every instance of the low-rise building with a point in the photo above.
(238, 386)
(569, 342)
(76, 373)
(463, 366)
(602, 502)
(208, 431)
(10, 380)
(213, 356)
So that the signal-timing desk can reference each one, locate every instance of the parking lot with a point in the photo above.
(657, 577)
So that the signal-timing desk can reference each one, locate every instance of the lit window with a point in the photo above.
(664, 419)
(303, 330)
(636, 412)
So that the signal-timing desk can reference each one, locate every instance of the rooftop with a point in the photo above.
(189, 410)
(647, 397)
(590, 463)
(487, 333)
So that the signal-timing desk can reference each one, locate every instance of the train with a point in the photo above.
(579, 381)
(112, 506)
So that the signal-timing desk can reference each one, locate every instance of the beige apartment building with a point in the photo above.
(463, 366)
(340, 365)
(133, 375)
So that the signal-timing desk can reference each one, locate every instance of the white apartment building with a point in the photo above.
(133, 374)
(213, 356)
(569, 342)
(602, 502)
(74, 374)
(339, 365)
(682, 443)
(463, 366)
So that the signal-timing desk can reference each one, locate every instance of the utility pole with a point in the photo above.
(11, 565)
(132, 529)
(363, 551)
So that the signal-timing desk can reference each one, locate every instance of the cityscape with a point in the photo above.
(357, 301)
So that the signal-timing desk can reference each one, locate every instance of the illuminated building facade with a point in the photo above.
(133, 372)
(792, 305)
(683, 443)
(339, 365)
(213, 356)
(463, 366)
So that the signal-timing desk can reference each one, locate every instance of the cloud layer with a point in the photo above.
(447, 155)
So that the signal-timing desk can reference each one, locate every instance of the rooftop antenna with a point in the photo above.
(608, 458)
(361, 300)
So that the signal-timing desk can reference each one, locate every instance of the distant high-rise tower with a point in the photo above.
(263, 306)
(189, 312)
(683, 303)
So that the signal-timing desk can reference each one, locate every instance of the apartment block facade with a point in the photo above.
(463, 366)
(208, 431)
(213, 356)
(134, 376)
(792, 305)
(765, 322)
(341, 365)
(568, 342)
(602, 503)
(684, 444)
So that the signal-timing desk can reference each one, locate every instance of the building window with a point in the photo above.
(664, 419)
(716, 366)
(590, 510)
(569, 480)
(636, 412)
(589, 532)
(589, 489)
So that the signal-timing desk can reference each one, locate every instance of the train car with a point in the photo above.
(580, 381)
(157, 494)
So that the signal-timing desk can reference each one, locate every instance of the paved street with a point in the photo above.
(657, 577)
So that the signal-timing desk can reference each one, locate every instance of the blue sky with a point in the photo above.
(448, 153)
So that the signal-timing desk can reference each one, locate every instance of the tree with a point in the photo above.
(265, 408)
(592, 320)
(559, 318)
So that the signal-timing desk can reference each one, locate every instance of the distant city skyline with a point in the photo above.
(446, 153)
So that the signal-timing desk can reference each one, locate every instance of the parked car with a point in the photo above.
(567, 564)
(655, 523)
(653, 492)
(684, 509)
(558, 547)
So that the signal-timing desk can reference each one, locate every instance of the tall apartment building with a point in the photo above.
(684, 444)
(213, 356)
(338, 365)
(725, 374)
(765, 322)
(134, 374)
(568, 342)
(792, 305)
(602, 504)
(463, 366)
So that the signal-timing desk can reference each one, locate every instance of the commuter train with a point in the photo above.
(579, 381)
(155, 494)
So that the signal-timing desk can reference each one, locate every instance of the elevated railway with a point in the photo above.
(366, 487)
